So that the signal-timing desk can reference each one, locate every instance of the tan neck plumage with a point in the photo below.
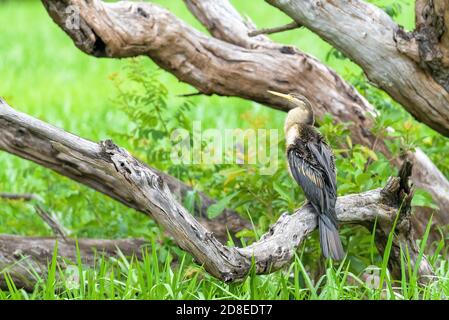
(296, 118)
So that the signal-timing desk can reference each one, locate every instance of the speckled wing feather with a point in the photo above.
(313, 169)
(324, 156)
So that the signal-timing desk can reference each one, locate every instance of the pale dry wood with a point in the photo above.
(287, 27)
(113, 171)
(366, 34)
(52, 153)
(240, 66)
(428, 44)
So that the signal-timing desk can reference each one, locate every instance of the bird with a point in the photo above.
(312, 165)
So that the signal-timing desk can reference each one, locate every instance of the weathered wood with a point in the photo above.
(287, 27)
(58, 230)
(60, 152)
(232, 64)
(240, 66)
(26, 259)
(113, 171)
(428, 44)
(366, 34)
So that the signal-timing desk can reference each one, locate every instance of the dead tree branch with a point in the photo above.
(19, 196)
(287, 27)
(366, 34)
(216, 15)
(113, 171)
(428, 44)
(62, 152)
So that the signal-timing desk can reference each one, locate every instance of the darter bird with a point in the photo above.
(312, 165)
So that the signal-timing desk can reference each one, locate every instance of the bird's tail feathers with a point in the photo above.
(329, 239)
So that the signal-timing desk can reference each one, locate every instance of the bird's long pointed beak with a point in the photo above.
(282, 95)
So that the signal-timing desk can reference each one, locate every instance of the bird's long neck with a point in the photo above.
(291, 134)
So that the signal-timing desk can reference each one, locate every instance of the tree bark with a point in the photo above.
(233, 64)
(428, 44)
(367, 35)
(244, 67)
(113, 171)
(26, 259)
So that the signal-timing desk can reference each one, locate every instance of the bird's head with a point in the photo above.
(300, 109)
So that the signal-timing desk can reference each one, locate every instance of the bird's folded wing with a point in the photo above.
(308, 177)
(323, 155)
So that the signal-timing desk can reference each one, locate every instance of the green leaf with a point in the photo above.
(362, 178)
(283, 193)
(423, 199)
(216, 209)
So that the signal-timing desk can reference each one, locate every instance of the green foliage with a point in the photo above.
(143, 98)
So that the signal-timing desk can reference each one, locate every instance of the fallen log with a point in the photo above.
(26, 259)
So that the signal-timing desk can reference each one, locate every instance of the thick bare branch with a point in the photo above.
(113, 171)
(225, 23)
(212, 66)
(428, 44)
(63, 153)
(366, 34)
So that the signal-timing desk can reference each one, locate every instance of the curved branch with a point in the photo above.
(36, 141)
(212, 66)
(113, 171)
(366, 34)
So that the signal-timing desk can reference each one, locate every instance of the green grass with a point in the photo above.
(174, 276)
(44, 75)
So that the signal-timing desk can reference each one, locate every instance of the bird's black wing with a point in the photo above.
(323, 155)
(313, 169)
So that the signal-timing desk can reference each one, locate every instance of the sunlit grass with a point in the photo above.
(176, 277)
